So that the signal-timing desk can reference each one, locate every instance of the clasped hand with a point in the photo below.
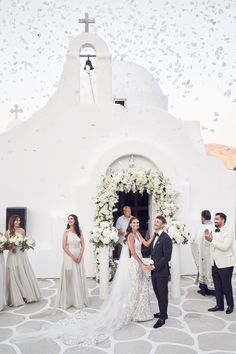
(77, 259)
(148, 268)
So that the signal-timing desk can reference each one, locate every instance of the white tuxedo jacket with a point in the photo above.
(222, 249)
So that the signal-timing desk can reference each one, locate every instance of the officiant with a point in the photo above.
(201, 249)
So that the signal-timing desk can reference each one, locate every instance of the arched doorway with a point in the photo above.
(123, 176)
(139, 204)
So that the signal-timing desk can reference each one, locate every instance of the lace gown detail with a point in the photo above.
(72, 289)
(139, 307)
(128, 301)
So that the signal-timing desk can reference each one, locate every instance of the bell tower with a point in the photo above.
(71, 76)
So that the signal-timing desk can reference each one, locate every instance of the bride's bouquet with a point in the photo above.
(27, 244)
(147, 261)
(3, 241)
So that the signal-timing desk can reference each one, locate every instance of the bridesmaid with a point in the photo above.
(2, 280)
(72, 289)
(21, 284)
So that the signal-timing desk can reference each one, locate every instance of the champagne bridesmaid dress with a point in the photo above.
(72, 289)
(21, 283)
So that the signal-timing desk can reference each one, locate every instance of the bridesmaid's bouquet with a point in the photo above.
(3, 241)
(27, 243)
(12, 243)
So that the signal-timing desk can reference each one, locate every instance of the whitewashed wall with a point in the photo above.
(53, 162)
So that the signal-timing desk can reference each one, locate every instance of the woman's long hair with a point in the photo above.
(76, 224)
(129, 228)
(11, 222)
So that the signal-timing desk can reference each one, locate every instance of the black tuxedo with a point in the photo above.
(161, 255)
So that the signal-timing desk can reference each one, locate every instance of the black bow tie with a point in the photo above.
(156, 234)
(217, 230)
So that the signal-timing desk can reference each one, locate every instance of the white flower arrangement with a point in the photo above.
(104, 234)
(27, 243)
(3, 241)
(178, 232)
(24, 243)
(15, 240)
(131, 180)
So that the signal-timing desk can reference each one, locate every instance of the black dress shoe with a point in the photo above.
(202, 293)
(159, 323)
(216, 308)
(229, 309)
(157, 315)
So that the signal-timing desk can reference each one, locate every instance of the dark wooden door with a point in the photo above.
(139, 207)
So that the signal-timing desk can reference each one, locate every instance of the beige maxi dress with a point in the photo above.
(72, 290)
(21, 283)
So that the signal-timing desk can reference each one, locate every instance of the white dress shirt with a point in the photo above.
(122, 224)
(156, 238)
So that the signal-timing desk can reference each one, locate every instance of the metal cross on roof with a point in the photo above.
(16, 110)
(86, 21)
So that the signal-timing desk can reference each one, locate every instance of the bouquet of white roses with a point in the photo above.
(178, 232)
(12, 243)
(104, 234)
(3, 241)
(27, 243)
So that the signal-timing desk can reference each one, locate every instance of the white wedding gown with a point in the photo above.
(128, 301)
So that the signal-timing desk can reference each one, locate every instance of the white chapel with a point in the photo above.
(99, 118)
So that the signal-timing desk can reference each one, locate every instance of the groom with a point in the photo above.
(161, 255)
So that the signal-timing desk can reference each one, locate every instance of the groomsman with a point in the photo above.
(223, 262)
(161, 255)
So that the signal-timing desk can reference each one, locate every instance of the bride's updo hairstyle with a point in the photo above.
(129, 228)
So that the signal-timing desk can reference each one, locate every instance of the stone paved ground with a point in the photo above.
(190, 329)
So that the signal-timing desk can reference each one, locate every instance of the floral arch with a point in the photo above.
(133, 180)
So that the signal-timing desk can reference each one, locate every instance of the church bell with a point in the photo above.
(88, 65)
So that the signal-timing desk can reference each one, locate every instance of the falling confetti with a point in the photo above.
(188, 47)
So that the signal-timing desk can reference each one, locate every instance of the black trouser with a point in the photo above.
(222, 278)
(160, 287)
(205, 291)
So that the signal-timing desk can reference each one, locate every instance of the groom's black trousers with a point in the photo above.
(160, 287)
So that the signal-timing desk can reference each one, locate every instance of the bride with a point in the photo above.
(128, 300)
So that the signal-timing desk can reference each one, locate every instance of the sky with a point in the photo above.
(188, 46)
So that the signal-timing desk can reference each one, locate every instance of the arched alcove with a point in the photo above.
(71, 77)
(88, 74)
(138, 161)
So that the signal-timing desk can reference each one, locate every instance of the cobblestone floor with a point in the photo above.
(190, 329)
